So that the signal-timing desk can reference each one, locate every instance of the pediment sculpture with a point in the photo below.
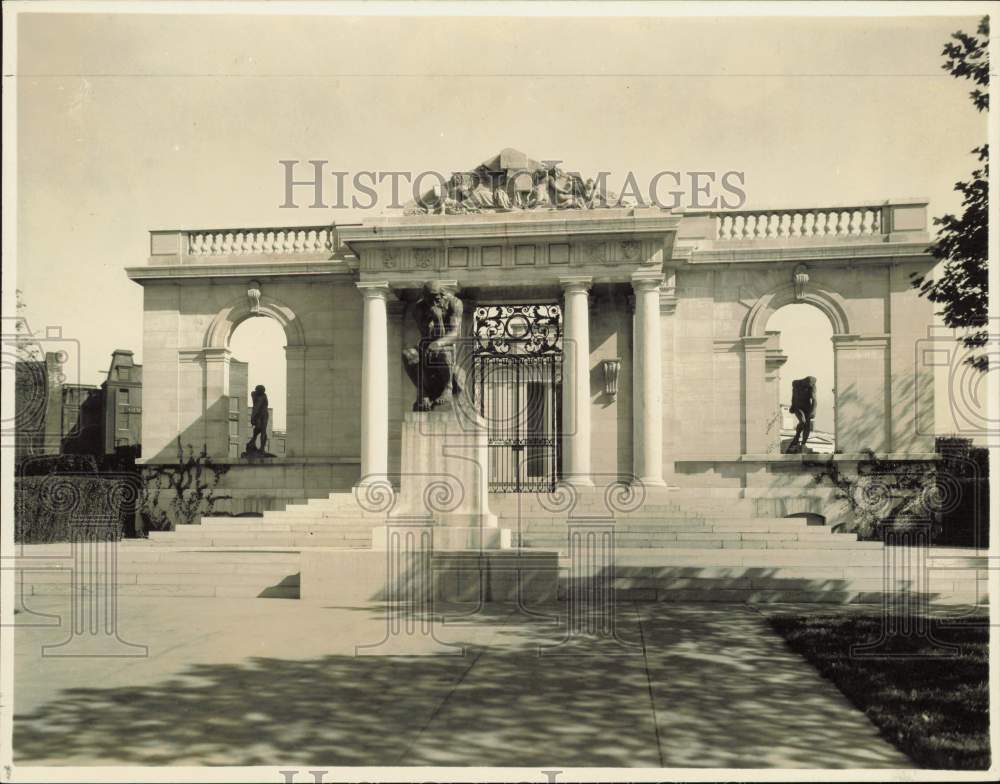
(510, 182)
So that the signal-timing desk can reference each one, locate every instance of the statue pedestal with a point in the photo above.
(443, 482)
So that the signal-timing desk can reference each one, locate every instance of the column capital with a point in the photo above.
(576, 283)
(374, 289)
(646, 280)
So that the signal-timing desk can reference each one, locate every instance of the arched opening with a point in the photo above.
(805, 333)
(257, 347)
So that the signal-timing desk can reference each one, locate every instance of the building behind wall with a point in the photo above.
(122, 405)
(54, 417)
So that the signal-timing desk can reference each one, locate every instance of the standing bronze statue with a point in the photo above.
(804, 408)
(258, 418)
(432, 365)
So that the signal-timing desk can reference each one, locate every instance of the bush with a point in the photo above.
(965, 485)
(182, 492)
(51, 508)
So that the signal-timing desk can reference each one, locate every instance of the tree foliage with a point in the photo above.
(962, 244)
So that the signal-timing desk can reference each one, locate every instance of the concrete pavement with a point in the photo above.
(263, 681)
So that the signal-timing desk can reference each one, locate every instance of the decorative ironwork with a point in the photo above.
(518, 382)
(503, 330)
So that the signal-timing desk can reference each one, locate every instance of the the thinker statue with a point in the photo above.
(804, 408)
(431, 365)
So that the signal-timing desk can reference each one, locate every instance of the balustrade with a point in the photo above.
(267, 242)
(817, 223)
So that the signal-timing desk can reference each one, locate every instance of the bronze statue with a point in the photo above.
(804, 408)
(431, 366)
(258, 418)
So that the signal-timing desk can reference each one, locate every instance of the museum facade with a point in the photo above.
(600, 343)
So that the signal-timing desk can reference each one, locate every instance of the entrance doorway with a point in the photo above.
(518, 385)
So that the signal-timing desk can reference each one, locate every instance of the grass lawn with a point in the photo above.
(934, 708)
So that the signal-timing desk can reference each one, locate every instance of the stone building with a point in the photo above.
(602, 343)
(122, 404)
(55, 417)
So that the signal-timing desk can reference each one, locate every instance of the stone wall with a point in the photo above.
(186, 357)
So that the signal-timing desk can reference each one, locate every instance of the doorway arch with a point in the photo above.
(217, 351)
(760, 383)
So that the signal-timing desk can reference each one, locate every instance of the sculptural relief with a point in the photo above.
(512, 182)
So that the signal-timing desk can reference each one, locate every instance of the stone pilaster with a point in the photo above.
(755, 413)
(647, 389)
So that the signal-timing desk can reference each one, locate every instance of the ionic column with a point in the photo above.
(374, 383)
(576, 380)
(647, 374)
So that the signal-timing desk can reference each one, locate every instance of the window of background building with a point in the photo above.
(122, 373)
(123, 397)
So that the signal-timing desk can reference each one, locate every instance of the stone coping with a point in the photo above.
(284, 461)
(242, 266)
(836, 457)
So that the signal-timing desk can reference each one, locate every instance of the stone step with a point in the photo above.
(173, 575)
(324, 537)
(184, 590)
(324, 526)
(756, 558)
(318, 525)
(171, 552)
(668, 546)
(654, 535)
(258, 537)
(761, 525)
(689, 575)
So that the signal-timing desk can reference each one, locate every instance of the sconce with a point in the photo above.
(801, 278)
(611, 367)
(253, 293)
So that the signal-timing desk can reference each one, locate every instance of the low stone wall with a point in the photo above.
(237, 487)
(853, 491)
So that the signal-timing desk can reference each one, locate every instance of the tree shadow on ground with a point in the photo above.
(682, 686)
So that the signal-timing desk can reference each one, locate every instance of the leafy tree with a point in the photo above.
(962, 242)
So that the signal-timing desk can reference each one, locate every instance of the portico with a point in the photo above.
(552, 257)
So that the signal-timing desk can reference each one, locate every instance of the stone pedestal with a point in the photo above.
(443, 482)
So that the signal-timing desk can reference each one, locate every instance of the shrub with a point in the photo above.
(180, 493)
(51, 508)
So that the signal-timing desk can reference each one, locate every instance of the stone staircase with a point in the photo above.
(695, 549)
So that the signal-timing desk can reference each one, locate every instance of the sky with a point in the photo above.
(128, 123)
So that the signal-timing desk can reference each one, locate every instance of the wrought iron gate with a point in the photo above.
(518, 382)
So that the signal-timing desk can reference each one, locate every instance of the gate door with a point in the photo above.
(518, 381)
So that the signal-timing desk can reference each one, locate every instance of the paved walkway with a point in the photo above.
(262, 682)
